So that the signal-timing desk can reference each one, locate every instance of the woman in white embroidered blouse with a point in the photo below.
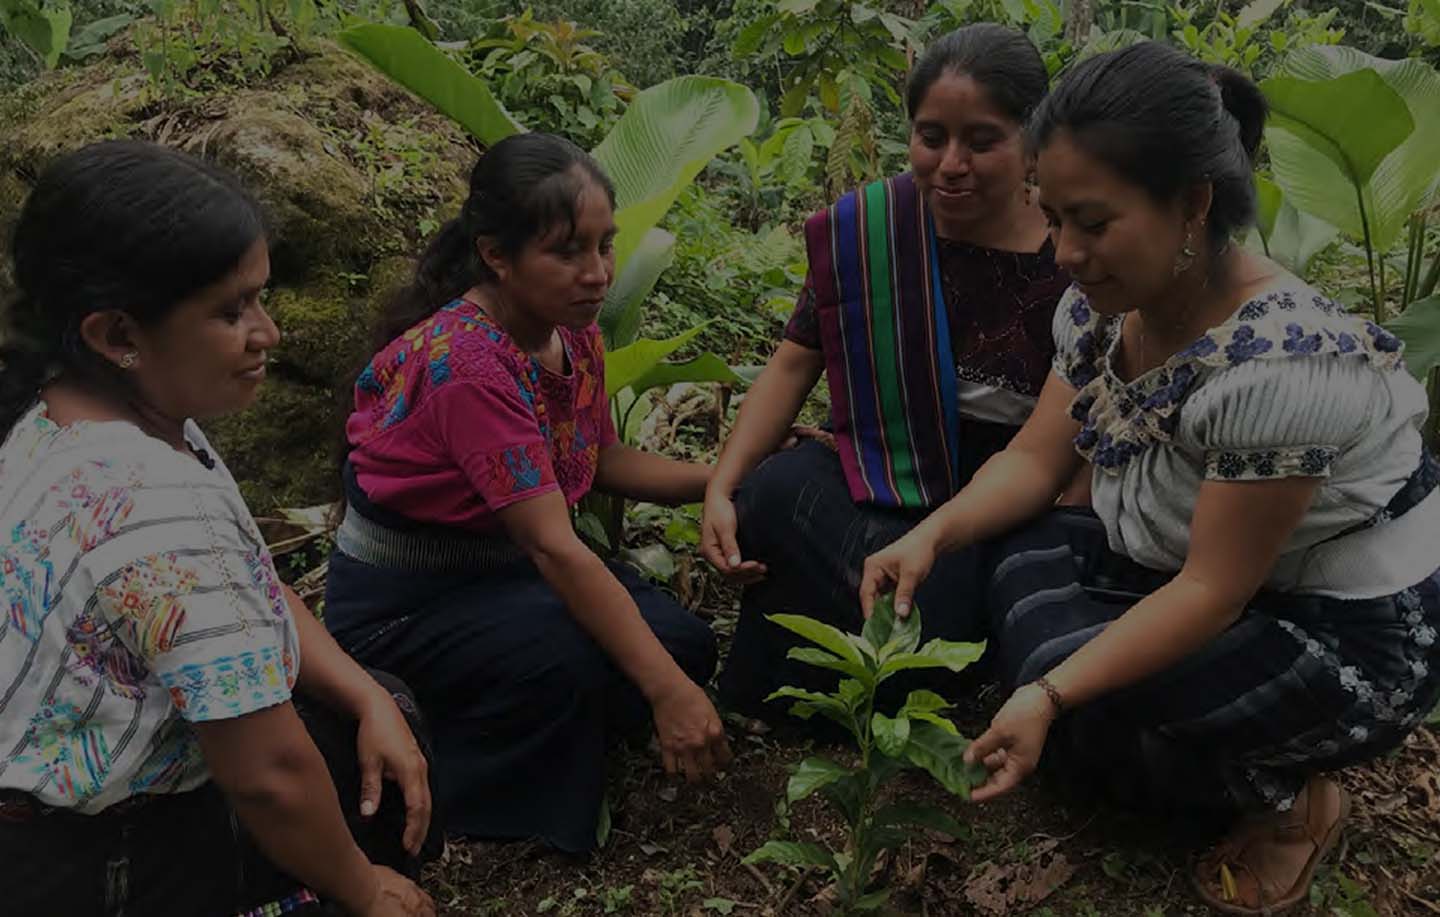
(1254, 598)
(151, 758)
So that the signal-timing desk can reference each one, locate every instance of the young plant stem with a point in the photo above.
(1377, 302)
(1413, 253)
(1432, 278)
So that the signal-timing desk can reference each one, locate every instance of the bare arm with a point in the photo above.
(280, 788)
(1016, 484)
(1237, 533)
(769, 409)
(650, 478)
(386, 747)
(691, 737)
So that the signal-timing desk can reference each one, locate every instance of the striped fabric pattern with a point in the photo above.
(886, 339)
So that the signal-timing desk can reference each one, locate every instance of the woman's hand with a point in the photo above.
(387, 750)
(901, 566)
(1011, 747)
(717, 541)
(396, 896)
(692, 739)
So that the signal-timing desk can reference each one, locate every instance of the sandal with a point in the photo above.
(1225, 862)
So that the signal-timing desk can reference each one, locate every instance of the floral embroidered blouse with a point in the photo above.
(139, 598)
(1289, 386)
(453, 421)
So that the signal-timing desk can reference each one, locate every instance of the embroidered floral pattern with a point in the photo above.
(1263, 464)
(1121, 420)
(231, 685)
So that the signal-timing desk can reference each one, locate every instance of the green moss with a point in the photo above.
(283, 449)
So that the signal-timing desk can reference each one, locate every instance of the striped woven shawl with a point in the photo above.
(875, 272)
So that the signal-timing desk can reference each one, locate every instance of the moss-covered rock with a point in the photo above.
(351, 170)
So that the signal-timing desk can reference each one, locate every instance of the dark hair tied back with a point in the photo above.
(122, 225)
(1166, 122)
(1001, 59)
(522, 187)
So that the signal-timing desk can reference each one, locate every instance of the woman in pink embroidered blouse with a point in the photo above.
(479, 423)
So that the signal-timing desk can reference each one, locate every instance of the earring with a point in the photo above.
(127, 361)
(1186, 259)
(1029, 189)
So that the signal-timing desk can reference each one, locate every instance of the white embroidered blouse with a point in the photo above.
(1290, 385)
(138, 598)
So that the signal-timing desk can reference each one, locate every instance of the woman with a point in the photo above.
(932, 365)
(152, 757)
(1254, 599)
(478, 425)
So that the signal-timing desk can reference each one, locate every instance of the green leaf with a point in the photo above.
(890, 735)
(811, 775)
(705, 368)
(1402, 181)
(873, 901)
(796, 7)
(937, 720)
(1355, 119)
(407, 58)
(44, 29)
(792, 853)
(723, 906)
(1257, 11)
(923, 701)
(848, 795)
(1419, 327)
(602, 824)
(621, 313)
(654, 560)
(626, 365)
(812, 702)
(922, 817)
(881, 623)
(937, 654)
(942, 756)
(90, 40)
(821, 659)
(795, 160)
(1290, 237)
(753, 35)
(904, 635)
(820, 633)
(668, 134)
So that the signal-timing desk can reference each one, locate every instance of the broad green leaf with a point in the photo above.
(796, 7)
(792, 853)
(904, 636)
(812, 774)
(798, 150)
(1419, 327)
(667, 135)
(1290, 237)
(722, 906)
(872, 901)
(625, 365)
(923, 817)
(809, 703)
(937, 654)
(1100, 42)
(621, 314)
(705, 368)
(890, 735)
(1423, 21)
(406, 57)
(881, 622)
(923, 701)
(848, 795)
(44, 29)
(90, 40)
(852, 692)
(942, 756)
(819, 633)
(1401, 183)
(1257, 11)
(937, 720)
(1355, 119)
(821, 659)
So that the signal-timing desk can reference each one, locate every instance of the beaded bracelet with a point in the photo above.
(1053, 693)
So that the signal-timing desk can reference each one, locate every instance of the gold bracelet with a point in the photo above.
(1053, 693)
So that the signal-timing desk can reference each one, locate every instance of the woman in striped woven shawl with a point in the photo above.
(928, 307)
(1254, 599)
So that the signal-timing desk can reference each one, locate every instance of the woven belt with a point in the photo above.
(369, 542)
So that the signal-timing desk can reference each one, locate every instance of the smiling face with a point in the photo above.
(561, 277)
(1117, 241)
(966, 154)
(206, 358)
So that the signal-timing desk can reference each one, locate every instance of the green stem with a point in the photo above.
(1375, 298)
(1432, 278)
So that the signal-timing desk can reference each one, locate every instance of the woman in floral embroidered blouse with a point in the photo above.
(478, 425)
(1255, 597)
(170, 714)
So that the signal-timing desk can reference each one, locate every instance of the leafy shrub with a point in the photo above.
(918, 735)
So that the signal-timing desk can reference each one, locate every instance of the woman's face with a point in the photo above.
(207, 357)
(561, 277)
(966, 154)
(1111, 235)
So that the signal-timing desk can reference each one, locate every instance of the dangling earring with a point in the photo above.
(127, 361)
(1186, 259)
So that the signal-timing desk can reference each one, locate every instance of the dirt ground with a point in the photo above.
(675, 849)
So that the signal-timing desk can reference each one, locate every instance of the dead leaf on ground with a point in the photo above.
(997, 889)
(724, 837)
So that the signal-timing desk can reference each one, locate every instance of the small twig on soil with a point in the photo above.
(794, 888)
(1041, 835)
(1431, 905)
(760, 877)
